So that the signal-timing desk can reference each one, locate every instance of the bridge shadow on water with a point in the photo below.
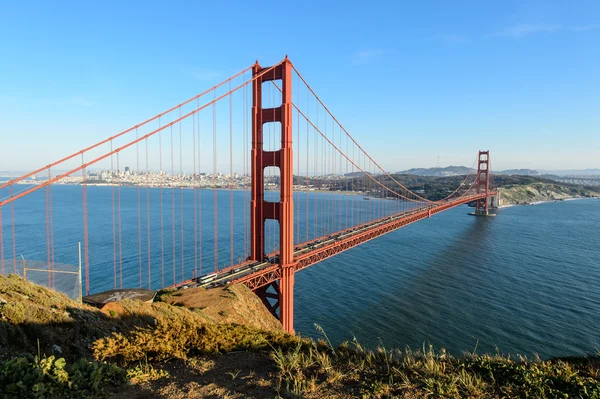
(428, 305)
(475, 291)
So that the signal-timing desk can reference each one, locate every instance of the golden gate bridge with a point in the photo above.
(261, 131)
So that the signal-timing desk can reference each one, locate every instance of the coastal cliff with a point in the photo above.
(541, 192)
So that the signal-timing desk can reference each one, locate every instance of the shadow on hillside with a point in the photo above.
(33, 322)
(234, 374)
(68, 339)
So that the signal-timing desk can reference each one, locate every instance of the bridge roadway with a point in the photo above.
(255, 274)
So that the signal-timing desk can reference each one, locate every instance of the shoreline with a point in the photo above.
(549, 201)
(296, 191)
(167, 187)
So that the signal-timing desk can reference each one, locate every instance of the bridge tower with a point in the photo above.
(282, 211)
(483, 183)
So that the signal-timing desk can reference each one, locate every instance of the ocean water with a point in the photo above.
(525, 281)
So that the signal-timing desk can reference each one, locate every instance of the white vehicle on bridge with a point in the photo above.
(208, 278)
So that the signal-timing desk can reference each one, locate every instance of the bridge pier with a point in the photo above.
(286, 299)
(480, 211)
(482, 206)
(278, 297)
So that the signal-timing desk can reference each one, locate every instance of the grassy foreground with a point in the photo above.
(52, 347)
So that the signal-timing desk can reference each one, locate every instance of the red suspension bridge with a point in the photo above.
(247, 182)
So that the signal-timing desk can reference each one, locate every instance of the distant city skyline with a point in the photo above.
(410, 81)
(96, 172)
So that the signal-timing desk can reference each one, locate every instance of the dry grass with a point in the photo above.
(234, 304)
(179, 338)
(29, 313)
(316, 372)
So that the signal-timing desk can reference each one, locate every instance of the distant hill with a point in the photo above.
(358, 174)
(550, 173)
(574, 172)
(463, 170)
(439, 172)
(522, 172)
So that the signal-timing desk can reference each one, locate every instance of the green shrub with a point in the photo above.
(177, 338)
(26, 377)
(144, 372)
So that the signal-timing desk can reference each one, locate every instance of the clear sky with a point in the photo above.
(411, 80)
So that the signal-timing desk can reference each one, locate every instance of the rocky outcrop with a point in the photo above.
(539, 192)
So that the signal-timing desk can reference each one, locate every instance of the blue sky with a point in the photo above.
(410, 80)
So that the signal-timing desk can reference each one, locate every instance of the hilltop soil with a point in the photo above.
(229, 304)
(229, 375)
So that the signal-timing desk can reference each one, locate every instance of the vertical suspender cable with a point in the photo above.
(323, 201)
(334, 170)
(297, 200)
(161, 211)
(195, 187)
(327, 202)
(85, 228)
(139, 213)
(307, 163)
(46, 199)
(230, 176)
(353, 180)
(199, 201)
(335, 174)
(215, 215)
(245, 156)
(181, 177)
(112, 214)
(334, 160)
(346, 197)
(51, 231)
(119, 223)
(172, 186)
(323, 193)
(316, 173)
(148, 216)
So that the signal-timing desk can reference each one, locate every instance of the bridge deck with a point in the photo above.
(256, 274)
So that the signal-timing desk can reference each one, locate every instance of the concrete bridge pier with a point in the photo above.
(494, 201)
(484, 206)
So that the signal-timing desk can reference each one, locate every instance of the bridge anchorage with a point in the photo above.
(333, 196)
